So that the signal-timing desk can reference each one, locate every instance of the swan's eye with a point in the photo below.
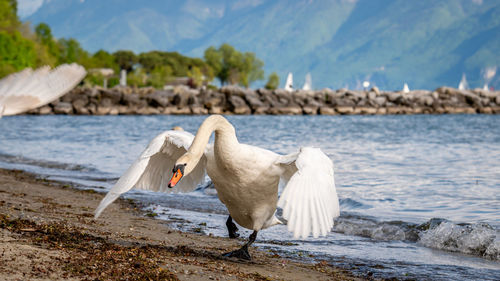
(179, 167)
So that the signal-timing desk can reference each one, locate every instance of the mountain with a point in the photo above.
(424, 43)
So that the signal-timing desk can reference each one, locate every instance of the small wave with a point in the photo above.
(474, 239)
(350, 204)
(370, 228)
(480, 239)
(44, 164)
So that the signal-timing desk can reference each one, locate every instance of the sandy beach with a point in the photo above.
(48, 233)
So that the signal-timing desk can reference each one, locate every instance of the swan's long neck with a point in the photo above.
(225, 136)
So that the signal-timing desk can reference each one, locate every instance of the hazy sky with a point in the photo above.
(28, 7)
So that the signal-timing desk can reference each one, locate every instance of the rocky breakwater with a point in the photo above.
(236, 100)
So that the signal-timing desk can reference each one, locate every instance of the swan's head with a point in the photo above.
(178, 174)
(184, 165)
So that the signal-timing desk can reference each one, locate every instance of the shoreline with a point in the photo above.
(48, 233)
(182, 100)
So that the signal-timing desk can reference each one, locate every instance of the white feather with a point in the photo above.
(153, 169)
(28, 89)
(309, 201)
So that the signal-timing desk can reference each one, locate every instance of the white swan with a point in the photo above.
(28, 89)
(246, 179)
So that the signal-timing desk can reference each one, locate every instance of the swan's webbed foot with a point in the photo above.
(231, 228)
(243, 253)
(240, 254)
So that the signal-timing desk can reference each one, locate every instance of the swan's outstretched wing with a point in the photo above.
(28, 89)
(153, 169)
(309, 200)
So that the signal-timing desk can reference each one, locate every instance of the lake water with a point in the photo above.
(419, 195)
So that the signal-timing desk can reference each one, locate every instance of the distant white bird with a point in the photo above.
(28, 89)
(289, 83)
(308, 84)
(406, 89)
(246, 179)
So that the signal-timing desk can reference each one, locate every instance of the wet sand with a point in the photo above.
(47, 232)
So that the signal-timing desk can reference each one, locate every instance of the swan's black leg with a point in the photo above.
(231, 228)
(243, 252)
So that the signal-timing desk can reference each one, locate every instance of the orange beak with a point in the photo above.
(175, 178)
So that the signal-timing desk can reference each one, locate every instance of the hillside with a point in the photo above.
(341, 43)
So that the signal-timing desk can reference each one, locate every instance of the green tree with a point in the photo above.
(273, 81)
(196, 75)
(103, 59)
(8, 15)
(251, 69)
(16, 52)
(45, 38)
(159, 76)
(213, 58)
(43, 33)
(71, 51)
(233, 67)
(137, 78)
(125, 59)
(151, 60)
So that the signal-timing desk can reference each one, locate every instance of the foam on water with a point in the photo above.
(476, 239)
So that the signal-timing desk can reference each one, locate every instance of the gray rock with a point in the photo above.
(76, 93)
(425, 100)
(80, 107)
(114, 96)
(215, 110)
(182, 99)
(45, 110)
(237, 105)
(345, 110)
(375, 90)
(310, 110)
(103, 110)
(133, 99)
(286, 110)
(105, 102)
(366, 110)
(160, 98)
(63, 108)
(114, 111)
(327, 111)
(92, 92)
(261, 110)
(355, 95)
(380, 101)
(254, 101)
(372, 95)
(393, 96)
(180, 111)
(198, 110)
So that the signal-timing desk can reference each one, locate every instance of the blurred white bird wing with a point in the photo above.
(153, 169)
(309, 200)
(28, 89)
